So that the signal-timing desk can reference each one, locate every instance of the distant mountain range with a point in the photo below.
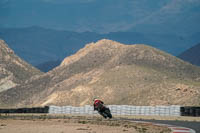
(49, 65)
(114, 72)
(177, 17)
(38, 45)
(192, 55)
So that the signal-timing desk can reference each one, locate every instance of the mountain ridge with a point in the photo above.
(37, 45)
(13, 70)
(116, 73)
(191, 55)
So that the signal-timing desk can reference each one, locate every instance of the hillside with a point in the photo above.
(114, 72)
(192, 55)
(13, 70)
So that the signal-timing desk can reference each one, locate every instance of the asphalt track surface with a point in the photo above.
(193, 125)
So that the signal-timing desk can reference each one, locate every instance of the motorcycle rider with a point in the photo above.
(102, 110)
(98, 105)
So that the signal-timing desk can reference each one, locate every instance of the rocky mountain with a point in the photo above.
(192, 55)
(116, 73)
(38, 45)
(13, 70)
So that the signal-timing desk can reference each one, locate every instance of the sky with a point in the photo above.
(104, 16)
(173, 25)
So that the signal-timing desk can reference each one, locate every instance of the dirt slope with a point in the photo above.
(13, 70)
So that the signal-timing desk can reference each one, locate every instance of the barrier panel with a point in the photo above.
(26, 110)
(190, 111)
(173, 110)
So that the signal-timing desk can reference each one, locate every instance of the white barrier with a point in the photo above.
(173, 110)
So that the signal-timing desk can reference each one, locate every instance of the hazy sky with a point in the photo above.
(170, 25)
(165, 16)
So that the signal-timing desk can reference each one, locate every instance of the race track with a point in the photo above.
(177, 125)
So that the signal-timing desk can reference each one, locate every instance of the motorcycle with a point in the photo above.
(104, 111)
